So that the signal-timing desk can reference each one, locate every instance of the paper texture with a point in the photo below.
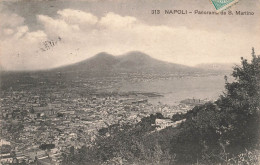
(129, 81)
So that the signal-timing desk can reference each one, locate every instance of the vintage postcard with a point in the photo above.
(129, 82)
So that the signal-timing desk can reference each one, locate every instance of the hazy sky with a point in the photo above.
(87, 27)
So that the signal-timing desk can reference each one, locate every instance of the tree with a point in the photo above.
(47, 146)
(229, 126)
(241, 104)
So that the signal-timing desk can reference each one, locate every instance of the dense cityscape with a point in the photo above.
(43, 122)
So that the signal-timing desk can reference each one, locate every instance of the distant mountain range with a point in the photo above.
(132, 62)
(216, 66)
(104, 64)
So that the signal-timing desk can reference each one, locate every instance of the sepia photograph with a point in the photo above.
(130, 82)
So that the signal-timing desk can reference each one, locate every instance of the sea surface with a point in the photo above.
(176, 89)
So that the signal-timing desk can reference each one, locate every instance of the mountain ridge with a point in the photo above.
(103, 64)
(216, 66)
(131, 62)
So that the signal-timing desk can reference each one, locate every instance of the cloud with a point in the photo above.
(56, 27)
(18, 44)
(10, 23)
(8, 31)
(112, 20)
(84, 34)
(77, 17)
(10, 20)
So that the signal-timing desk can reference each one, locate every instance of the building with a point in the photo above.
(43, 111)
(163, 123)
